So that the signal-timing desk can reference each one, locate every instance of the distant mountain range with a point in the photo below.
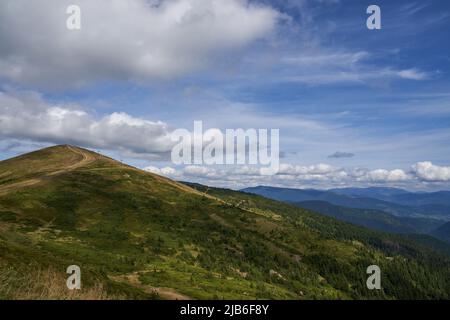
(386, 209)
(399, 196)
(397, 202)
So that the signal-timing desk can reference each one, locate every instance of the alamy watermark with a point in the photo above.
(234, 147)
(374, 280)
(73, 22)
(74, 280)
(374, 20)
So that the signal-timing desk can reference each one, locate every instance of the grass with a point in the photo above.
(46, 284)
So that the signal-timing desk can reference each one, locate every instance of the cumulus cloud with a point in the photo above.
(203, 172)
(427, 171)
(131, 39)
(382, 175)
(289, 175)
(25, 115)
(166, 171)
(319, 169)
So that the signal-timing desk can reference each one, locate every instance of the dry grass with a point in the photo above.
(46, 285)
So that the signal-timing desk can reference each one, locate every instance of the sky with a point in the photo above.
(355, 107)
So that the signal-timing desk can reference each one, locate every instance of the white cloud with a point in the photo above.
(152, 169)
(343, 59)
(427, 171)
(25, 115)
(319, 66)
(202, 172)
(382, 175)
(413, 74)
(132, 39)
(166, 171)
(150, 40)
(319, 169)
(320, 175)
(356, 74)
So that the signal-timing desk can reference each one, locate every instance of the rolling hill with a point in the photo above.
(136, 235)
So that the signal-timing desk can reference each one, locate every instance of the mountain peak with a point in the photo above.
(41, 166)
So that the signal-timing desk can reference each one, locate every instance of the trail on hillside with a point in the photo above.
(86, 159)
(165, 293)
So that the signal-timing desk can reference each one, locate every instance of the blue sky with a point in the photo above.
(379, 100)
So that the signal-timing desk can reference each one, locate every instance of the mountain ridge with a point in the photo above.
(139, 235)
(437, 211)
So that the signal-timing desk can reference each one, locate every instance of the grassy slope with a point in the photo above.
(139, 235)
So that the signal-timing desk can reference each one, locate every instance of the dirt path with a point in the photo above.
(86, 159)
(165, 293)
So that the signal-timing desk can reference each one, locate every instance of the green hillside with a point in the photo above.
(138, 235)
(443, 232)
(373, 219)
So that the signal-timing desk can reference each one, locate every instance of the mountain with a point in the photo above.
(359, 199)
(381, 193)
(373, 219)
(137, 235)
(399, 196)
(422, 199)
